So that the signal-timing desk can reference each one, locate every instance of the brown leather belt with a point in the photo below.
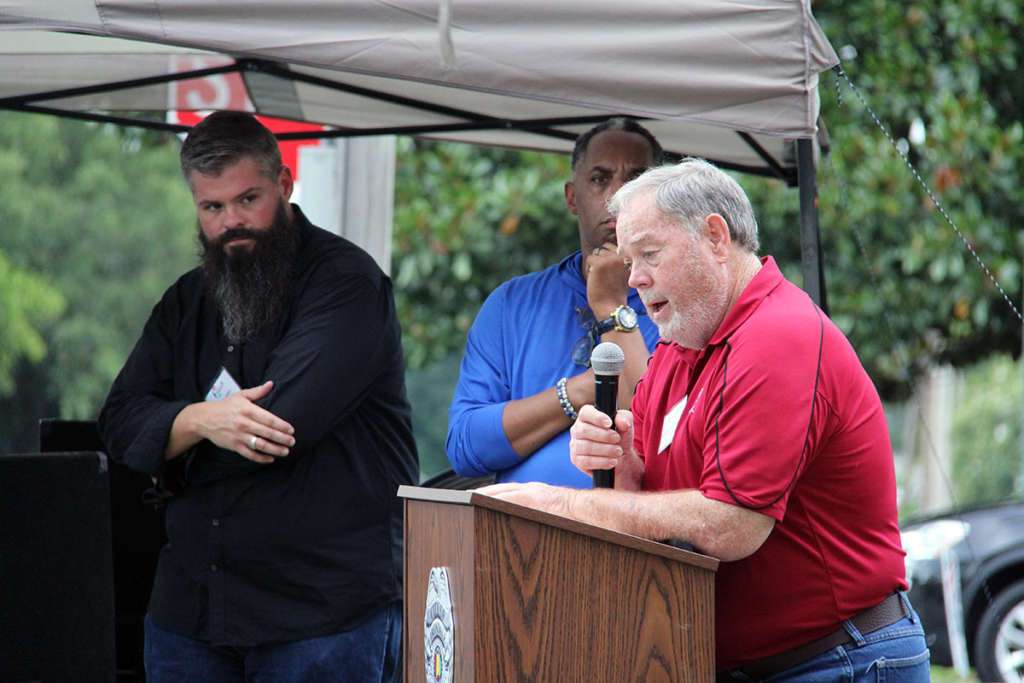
(887, 612)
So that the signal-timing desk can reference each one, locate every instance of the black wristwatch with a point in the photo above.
(622, 319)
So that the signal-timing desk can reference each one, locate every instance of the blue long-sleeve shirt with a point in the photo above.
(520, 344)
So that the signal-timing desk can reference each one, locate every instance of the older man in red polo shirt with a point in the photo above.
(755, 435)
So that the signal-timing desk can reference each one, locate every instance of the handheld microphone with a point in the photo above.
(607, 360)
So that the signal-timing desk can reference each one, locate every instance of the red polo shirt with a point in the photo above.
(777, 415)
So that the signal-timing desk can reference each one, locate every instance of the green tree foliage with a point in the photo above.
(901, 283)
(104, 214)
(466, 220)
(26, 303)
(987, 432)
(27, 300)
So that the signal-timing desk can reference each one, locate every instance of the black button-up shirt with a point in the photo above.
(307, 545)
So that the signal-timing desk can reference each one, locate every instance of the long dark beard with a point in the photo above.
(250, 286)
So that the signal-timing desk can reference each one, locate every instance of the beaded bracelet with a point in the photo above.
(563, 400)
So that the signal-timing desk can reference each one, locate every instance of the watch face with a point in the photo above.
(626, 317)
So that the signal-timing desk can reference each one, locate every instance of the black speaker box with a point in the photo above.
(138, 535)
(56, 568)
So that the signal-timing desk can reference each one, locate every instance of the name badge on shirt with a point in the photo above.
(669, 424)
(224, 386)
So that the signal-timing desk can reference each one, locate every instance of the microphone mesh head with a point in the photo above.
(607, 359)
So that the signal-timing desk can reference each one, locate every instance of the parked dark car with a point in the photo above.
(988, 547)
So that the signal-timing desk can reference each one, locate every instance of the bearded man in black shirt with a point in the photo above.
(269, 384)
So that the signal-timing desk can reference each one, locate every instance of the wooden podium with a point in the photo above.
(530, 596)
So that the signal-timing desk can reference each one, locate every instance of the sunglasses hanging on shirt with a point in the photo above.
(583, 346)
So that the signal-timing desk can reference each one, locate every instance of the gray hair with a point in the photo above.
(692, 190)
(226, 137)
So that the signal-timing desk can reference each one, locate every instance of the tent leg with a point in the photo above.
(810, 236)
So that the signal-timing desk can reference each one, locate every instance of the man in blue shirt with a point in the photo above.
(526, 366)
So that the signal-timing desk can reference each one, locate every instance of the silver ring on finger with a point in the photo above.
(252, 442)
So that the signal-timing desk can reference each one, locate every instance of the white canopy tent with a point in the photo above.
(733, 82)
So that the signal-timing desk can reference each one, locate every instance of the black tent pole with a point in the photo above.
(810, 236)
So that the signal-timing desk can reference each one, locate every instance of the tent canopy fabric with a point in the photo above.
(735, 82)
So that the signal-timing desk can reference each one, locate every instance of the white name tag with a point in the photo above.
(223, 386)
(669, 424)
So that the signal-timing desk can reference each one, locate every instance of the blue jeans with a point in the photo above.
(365, 654)
(893, 653)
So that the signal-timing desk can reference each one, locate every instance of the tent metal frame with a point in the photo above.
(804, 177)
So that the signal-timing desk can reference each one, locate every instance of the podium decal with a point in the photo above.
(439, 628)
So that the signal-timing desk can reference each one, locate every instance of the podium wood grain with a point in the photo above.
(438, 536)
(541, 598)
